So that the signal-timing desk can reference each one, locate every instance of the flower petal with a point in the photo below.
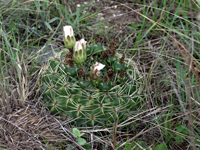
(83, 41)
(68, 30)
(99, 66)
(78, 46)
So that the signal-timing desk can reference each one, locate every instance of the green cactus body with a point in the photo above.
(111, 60)
(71, 71)
(94, 49)
(91, 102)
(105, 86)
(117, 66)
(84, 84)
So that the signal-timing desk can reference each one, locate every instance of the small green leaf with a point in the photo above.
(76, 132)
(69, 148)
(87, 146)
(182, 129)
(82, 134)
(48, 26)
(54, 19)
(81, 141)
(161, 146)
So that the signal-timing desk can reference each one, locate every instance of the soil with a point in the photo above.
(116, 15)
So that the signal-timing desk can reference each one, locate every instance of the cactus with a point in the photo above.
(88, 95)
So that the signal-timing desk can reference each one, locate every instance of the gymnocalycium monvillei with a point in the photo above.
(91, 84)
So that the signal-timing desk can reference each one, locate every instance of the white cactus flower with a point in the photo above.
(98, 66)
(95, 70)
(78, 46)
(79, 53)
(83, 43)
(69, 38)
(68, 30)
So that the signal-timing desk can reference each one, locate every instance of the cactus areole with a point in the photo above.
(98, 90)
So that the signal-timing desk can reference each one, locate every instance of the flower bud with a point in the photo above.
(69, 38)
(79, 54)
(95, 70)
(83, 43)
(98, 66)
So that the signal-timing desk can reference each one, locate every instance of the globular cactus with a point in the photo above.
(104, 88)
